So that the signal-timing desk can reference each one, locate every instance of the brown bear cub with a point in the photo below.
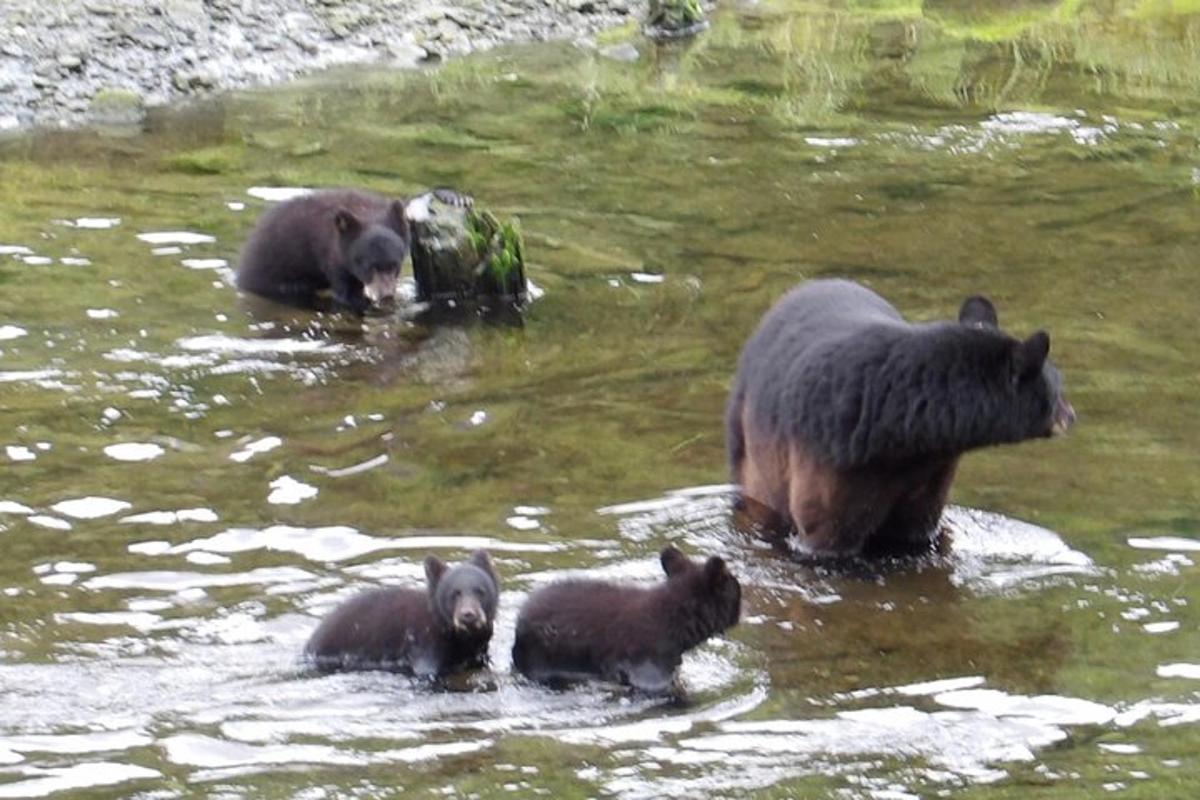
(845, 423)
(427, 633)
(580, 629)
(351, 242)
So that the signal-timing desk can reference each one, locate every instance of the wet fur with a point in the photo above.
(411, 631)
(847, 422)
(580, 629)
(298, 248)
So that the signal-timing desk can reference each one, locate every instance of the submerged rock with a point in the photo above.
(674, 19)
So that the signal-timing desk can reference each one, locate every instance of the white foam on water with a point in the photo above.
(1164, 543)
(154, 547)
(90, 507)
(14, 250)
(175, 237)
(29, 375)
(235, 206)
(286, 490)
(219, 343)
(341, 543)
(1181, 670)
(263, 445)
(277, 194)
(1050, 709)
(37, 261)
(204, 263)
(77, 567)
(95, 223)
(169, 250)
(75, 261)
(48, 781)
(647, 277)
(168, 581)
(141, 620)
(353, 469)
(205, 558)
(831, 141)
(102, 313)
(9, 332)
(134, 451)
(171, 517)
(47, 521)
(16, 452)
(1166, 626)
(13, 507)
(522, 523)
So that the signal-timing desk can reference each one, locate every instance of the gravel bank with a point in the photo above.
(65, 62)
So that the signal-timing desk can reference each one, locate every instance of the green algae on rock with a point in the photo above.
(464, 254)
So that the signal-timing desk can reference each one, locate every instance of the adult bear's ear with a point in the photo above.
(673, 561)
(481, 559)
(1030, 355)
(398, 218)
(435, 568)
(978, 312)
(345, 221)
(715, 570)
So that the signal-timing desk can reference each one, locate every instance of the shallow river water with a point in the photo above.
(192, 478)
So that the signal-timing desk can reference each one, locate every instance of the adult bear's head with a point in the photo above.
(1035, 385)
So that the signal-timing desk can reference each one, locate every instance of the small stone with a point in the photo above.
(70, 62)
(625, 52)
(117, 107)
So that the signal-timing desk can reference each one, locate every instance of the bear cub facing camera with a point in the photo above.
(581, 629)
(846, 422)
(351, 242)
(430, 633)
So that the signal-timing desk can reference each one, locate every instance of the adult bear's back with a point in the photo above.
(818, 314)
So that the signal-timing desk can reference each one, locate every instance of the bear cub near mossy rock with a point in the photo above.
(845, 422)
(427, 633)
(581, 629)
(351, 242)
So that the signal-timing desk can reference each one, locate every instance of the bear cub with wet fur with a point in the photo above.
(446, 627)
(348, 241)
(581, 629)
(845, 422)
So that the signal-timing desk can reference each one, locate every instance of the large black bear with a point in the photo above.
(425, 633)
(579, 629)
(845, 422)
(346, 240)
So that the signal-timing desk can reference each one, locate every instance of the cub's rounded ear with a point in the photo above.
(673, 561)
(345, 221)
(483, 560)
(435, 568)
(398, 214)
(978, 312)
(715, 570)
(1030, 355)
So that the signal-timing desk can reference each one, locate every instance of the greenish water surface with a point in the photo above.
(191, 478)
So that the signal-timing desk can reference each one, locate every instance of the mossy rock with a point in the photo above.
(462, 254)
(674, 19)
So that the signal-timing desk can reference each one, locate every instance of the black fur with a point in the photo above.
(338, 239)
(427, 633)
(834, 366)
(580, 629)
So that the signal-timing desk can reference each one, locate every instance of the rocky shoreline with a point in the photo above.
(69, 62)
